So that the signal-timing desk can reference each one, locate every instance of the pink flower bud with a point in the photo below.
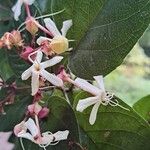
(31, 25)
(43, 113)
(63, 75)
(28, 50)
(34, 109)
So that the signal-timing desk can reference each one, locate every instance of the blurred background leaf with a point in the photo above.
(142, 106)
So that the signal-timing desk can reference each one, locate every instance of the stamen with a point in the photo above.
(43, 16)
(49, 143)
(21, 142)
(120, 105)
(48, 15)
(29, 57)
(47, 87)
(109, 99)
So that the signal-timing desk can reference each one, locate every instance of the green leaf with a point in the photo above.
(61, 117)
(5, 69)
(17, 64)
(104, 31)
(14, 113)
(5, 13)
(115, 128)
(143, 107)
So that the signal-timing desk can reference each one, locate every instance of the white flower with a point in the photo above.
(30, 131)
(27, 130)
(38, 69)
(17, 7)
(100, 97)
(49, 138)
(59, 43)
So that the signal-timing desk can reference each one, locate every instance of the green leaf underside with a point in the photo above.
(61, 117)
(142, 107)
(14, 113)
(115, 128)
(104, 31)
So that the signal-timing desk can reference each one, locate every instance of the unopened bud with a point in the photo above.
(26, 52)
(34, 109)
(31, 26)
(43, 113)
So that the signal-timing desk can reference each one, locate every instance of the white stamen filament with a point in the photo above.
(47, 87)
(43, 16)
(29, 57)
(108, 100)
(50, 143)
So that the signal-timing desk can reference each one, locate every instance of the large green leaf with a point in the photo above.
(5, 69)
(61, 117)
(143, 107)
(14, 113)
(104, 31)
(5, 13)
(115, 128)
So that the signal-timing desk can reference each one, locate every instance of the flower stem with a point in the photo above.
(27, 10)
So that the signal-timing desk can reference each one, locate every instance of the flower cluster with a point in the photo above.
(45, 53)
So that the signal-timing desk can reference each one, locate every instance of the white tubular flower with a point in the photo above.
(20, 130)
(38, 69)
(17, 7)
(49, 138)
(59, 43)
(100, 97)
(29, 130)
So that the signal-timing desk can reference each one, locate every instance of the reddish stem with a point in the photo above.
(43, 29)
(28, 10)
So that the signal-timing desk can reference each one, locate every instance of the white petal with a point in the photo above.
(51, 78)
(26, 136)
(100, 81)
(55, 60)
(51, 26)
(93, 114)
(84, 85)
(26, 74)
(35, 82)
(30, 124)
(61, 135)
(84, 103)
(41, 39)
(39, 56)
(66, 26)
(58, 136)
(29, 2)
(17, 9)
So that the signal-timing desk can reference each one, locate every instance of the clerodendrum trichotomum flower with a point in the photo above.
(59, 43)
(29, 130)
(100, 97)
(38, 69)
(17, 7)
